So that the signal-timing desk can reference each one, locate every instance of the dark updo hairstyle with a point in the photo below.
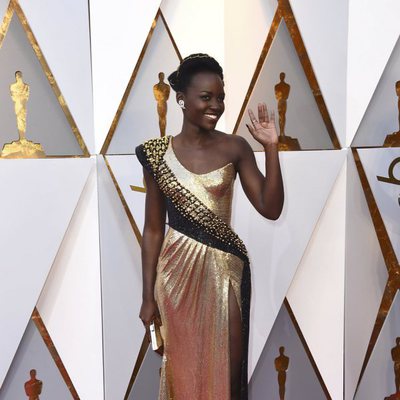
(190, 66)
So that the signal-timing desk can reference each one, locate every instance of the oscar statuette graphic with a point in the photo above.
(281, 366)
(161, 91)
(393, 140)
(21, 148)
(282, 90)
(33, 387)
(396, 360)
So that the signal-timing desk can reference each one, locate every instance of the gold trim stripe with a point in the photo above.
(37, 319)
(306, 348)
(288, 16)
(170, 36)
(389, 257)
(139, 361)
(136, 231)
(6, 23)
(124, 203)
(384, 240)
(50, 77)
(14, 6)
(284, 12)
(267, 45)
(131, 82)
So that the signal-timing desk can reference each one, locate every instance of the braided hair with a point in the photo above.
(190, 66)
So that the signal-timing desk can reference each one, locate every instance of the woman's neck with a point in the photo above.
(194, 134)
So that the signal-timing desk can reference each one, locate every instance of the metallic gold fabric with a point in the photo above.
(186, 204)
(214, 188)
(192, 288)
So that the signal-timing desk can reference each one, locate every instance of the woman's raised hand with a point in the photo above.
(263, 130)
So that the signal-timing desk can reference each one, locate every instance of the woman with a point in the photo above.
(197, 277)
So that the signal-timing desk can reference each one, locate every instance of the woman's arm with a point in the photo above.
(153, 236)
(265, 193)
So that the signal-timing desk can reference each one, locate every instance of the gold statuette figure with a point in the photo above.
(21, 148)
(282, 90)
(393, 140)
(281, 366)
(396, 360)
(161, 92)
(33, 387)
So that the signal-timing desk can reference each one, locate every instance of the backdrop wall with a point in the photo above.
(325, 275)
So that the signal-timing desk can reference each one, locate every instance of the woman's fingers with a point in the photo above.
(261, 113)
(266, 116)
(251, 130)
(253, 119)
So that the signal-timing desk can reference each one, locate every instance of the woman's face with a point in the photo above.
(204, 100)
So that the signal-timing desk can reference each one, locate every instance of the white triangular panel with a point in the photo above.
(369, 48)
(186, 20)
(68, 56)
(128, 171)
(45, 193)
(303, 119)
(365, 279)
(378, 381)
(238, 34)
(382, 115)
(121, 288)
(376, 162)
(301, 379)
(276, 250)
(118, 33)
(316, 294)
(186, 29)
(323, 25)
(74, 284)
(139, 118)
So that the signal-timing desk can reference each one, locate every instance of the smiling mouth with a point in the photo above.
(212, 117)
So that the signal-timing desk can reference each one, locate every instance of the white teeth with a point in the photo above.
(212, 116)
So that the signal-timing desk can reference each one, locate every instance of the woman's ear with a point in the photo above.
(180, 98)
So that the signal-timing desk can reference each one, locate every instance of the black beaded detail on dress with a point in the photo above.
(188, 215)
(245, 290)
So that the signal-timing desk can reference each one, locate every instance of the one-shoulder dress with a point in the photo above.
(200, 261)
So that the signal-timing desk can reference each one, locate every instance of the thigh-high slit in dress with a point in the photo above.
(201, 260)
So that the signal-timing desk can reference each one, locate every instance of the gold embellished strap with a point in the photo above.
(196, 211)
(185, 201)
(154, 150)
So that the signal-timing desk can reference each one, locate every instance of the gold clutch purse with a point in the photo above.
(155, 335)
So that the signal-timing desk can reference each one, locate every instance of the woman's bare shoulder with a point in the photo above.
(236, 145)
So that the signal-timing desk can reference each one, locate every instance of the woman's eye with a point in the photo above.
(205, 97)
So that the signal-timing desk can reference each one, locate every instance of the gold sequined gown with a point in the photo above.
(195, 272)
